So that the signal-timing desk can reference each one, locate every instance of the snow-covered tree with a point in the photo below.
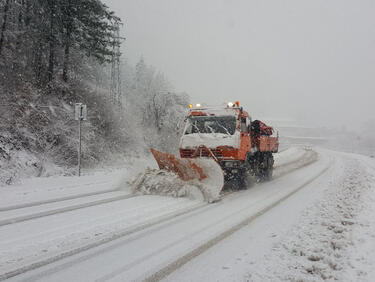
(155, 106)
(54, 53)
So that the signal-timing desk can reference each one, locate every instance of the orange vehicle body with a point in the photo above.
(241, 148)
(248, 142)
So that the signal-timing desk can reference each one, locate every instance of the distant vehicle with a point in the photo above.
(228, 135)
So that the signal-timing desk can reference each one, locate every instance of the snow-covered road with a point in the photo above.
(152, 238)
(324, 232)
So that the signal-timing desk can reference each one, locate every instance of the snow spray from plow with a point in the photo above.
(199, 178)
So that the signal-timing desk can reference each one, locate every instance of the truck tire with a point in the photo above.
(263, 166)
(269, 167)
(246, 178)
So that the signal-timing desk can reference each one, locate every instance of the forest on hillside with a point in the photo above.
(55, 53)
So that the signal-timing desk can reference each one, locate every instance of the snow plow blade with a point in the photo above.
(203, 173)
(186, 169)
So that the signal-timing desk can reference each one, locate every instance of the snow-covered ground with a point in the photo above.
(326, 231)
(49, 189)
(310, 223)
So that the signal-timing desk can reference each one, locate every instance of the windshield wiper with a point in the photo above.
(198, 131)
(224, 129)
(212, 130)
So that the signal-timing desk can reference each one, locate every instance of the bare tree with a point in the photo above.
(4, 25)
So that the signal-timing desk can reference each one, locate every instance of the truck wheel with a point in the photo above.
(246, 179)
(259, 167)
(268, 167)
(268, 174)
(263, 167)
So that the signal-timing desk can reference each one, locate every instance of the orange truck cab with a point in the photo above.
(241, 147)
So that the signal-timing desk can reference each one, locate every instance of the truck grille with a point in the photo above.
(188, 153)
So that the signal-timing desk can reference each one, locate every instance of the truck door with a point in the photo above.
(245, 144)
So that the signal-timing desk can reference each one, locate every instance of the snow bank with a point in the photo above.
(16, 164)
(323, 244)
(288, 156)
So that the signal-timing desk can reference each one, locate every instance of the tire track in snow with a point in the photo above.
(35, 215)
(370, 163)
(54, 200)
(169, 246)
(308, 158)
(144, 226)
(291, 164)
(164, 272)
(187, 212)
(117, 235)
(323, 243)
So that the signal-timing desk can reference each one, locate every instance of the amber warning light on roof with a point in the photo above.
(232, 105)
(196, 106)
(229, 105)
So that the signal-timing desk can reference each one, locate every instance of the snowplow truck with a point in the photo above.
(240, 146)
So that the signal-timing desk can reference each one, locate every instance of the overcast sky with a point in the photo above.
(308, 60)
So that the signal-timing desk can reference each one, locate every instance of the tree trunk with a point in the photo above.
(19, 38)
(51, 61)
(4, 25)
(27, 13)
(67, 55)
(68, 39)
(20, 14)
(37, 62)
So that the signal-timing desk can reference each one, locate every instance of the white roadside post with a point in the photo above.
(80, 114)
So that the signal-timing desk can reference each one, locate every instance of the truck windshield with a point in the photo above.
(213, 124)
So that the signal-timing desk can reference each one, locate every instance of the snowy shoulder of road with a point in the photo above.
(326, 231)
(39, 189)
(289, 155)
(333, 238)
